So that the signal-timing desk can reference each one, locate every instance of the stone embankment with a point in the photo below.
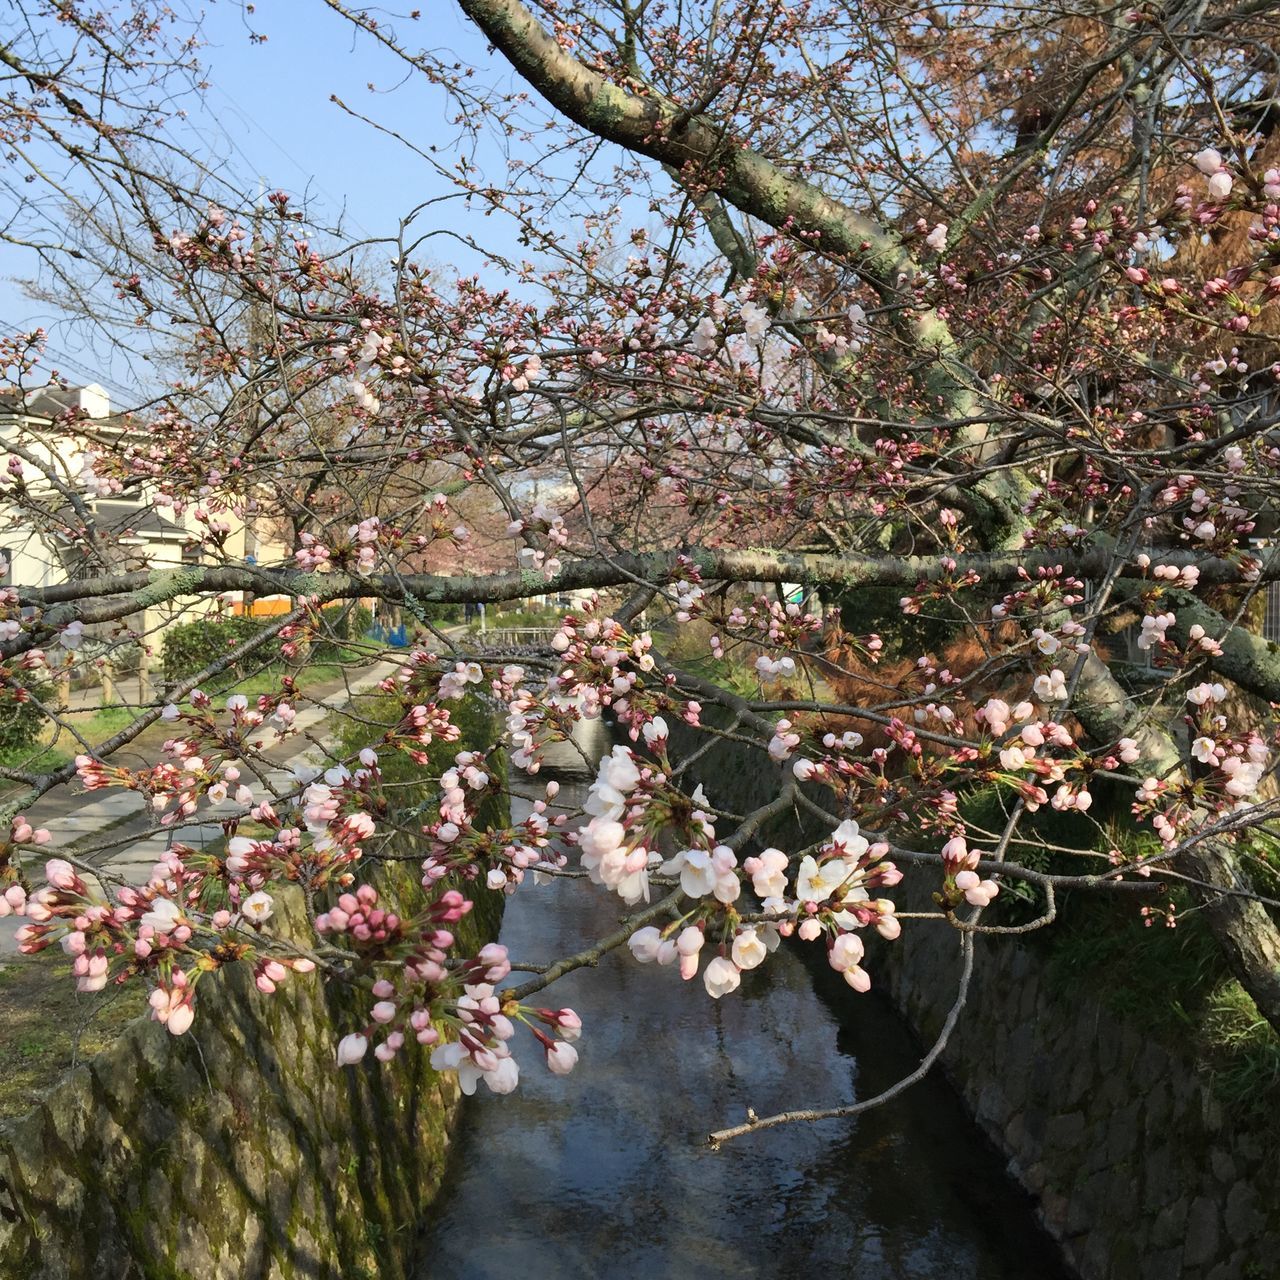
(236, 1152)
(1137, 1171)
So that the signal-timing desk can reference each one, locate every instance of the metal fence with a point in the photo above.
(514, 637)
(1271, 617)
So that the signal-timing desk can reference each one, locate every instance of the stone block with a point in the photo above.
(1081, 1080)
(1124, 1132)
(1203, 1233)
(1063, 1133)
(1092, 1202)
(994, 1105)
(1160, 1184)
(1224, 1168)
(1015, 1136)
(1035, 1178)
(1115, 1257)
(1170, 1226)
(1243, 1216)
(1054, 1208)
(1165, 1264)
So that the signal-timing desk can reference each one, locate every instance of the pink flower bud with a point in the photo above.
(351, 1049)
(690, 941)
(561, 1058)
(60, 874)
(180, 1019)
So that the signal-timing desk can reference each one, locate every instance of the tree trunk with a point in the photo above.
(1242, 927)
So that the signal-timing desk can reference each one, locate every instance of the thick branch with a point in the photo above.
(654, 126)
(712, 563)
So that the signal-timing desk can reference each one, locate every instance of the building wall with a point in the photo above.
(35, 558)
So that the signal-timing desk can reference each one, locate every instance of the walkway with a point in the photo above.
(74, 818)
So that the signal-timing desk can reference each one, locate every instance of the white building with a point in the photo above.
(46, 436)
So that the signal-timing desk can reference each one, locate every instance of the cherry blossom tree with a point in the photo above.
(818, 294)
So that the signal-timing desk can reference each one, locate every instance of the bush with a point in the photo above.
(21, 723)
(415, 611)
(192, 646)
(413, 786)
(523, 617)
(342, 623)
(439, 613)
(689, 647)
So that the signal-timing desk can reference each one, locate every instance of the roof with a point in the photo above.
(52, 400)
(123, 519)
(146, 522)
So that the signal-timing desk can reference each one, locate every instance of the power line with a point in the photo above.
(245, 118)
(250, 121)
(75, 365)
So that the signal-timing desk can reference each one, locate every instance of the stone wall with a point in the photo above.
(236, 1152)
(1135, 1169)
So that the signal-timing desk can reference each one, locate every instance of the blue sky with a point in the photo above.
(269, 112)
(273, 98)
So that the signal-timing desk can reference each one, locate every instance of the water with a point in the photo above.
(606, 1173)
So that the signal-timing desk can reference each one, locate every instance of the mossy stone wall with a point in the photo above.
(236, 1152)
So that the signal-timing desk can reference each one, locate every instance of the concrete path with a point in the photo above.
(75, 824)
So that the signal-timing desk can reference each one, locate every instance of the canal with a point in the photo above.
(606, 1173)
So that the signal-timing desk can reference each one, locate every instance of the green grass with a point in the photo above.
(1242, 1051)
(520, 618)
(689, 648)
(96, 726)
(107, 720)
(48, 1026)
(1174, 985)
(35, 759)
(1157, 978)
(99, 725)
(267, 680)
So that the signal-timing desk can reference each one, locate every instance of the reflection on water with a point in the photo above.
(604, 1174)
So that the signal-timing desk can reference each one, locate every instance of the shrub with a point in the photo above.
(342, 622)
(442, 612)
(523, 617)
(21, 723)
(410, 785)
(191, 646)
